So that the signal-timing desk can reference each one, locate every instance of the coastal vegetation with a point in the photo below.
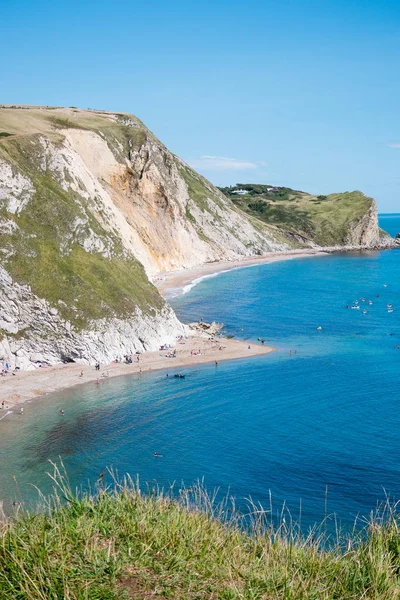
(119, 543)
(324, 220)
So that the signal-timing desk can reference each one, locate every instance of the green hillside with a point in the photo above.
(325, 220)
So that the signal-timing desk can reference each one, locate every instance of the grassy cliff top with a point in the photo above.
(324, 219)
(27, 120)
(124, 544)
(122, 131)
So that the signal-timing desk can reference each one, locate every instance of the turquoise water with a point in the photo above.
(390, 222)
(327, 416)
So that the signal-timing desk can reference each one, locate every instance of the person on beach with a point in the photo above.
(2, 404)
(22, 411)
(81, 375)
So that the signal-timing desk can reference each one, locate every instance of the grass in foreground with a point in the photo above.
(123, 544)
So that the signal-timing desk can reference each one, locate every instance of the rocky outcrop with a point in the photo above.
(306, 220)
(365, 230)
(208, 329)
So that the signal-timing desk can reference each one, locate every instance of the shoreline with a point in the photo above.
(174, 283)
(29, 385)
(171, 284)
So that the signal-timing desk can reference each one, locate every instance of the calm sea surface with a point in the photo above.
(325, 416)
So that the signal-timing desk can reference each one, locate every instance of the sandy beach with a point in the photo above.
(195, 350)
(172, 283)
(27, 385)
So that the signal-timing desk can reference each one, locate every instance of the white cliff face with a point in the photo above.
(365, 231)
(15, 189)
(42, 335)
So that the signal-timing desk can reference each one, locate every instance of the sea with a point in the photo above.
(313, 428)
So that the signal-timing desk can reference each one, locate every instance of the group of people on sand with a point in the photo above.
(5, 369)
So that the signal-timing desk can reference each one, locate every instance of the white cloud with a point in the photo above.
(222, 163)
(394, 145)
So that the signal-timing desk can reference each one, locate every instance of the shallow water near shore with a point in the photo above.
(325, 417)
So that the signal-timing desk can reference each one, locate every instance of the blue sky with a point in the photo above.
(300, 93)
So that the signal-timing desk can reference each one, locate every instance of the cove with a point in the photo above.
(326, 417)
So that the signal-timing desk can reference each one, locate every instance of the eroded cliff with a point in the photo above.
(92, 204)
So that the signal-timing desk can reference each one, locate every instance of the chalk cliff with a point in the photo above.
(92, 205)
